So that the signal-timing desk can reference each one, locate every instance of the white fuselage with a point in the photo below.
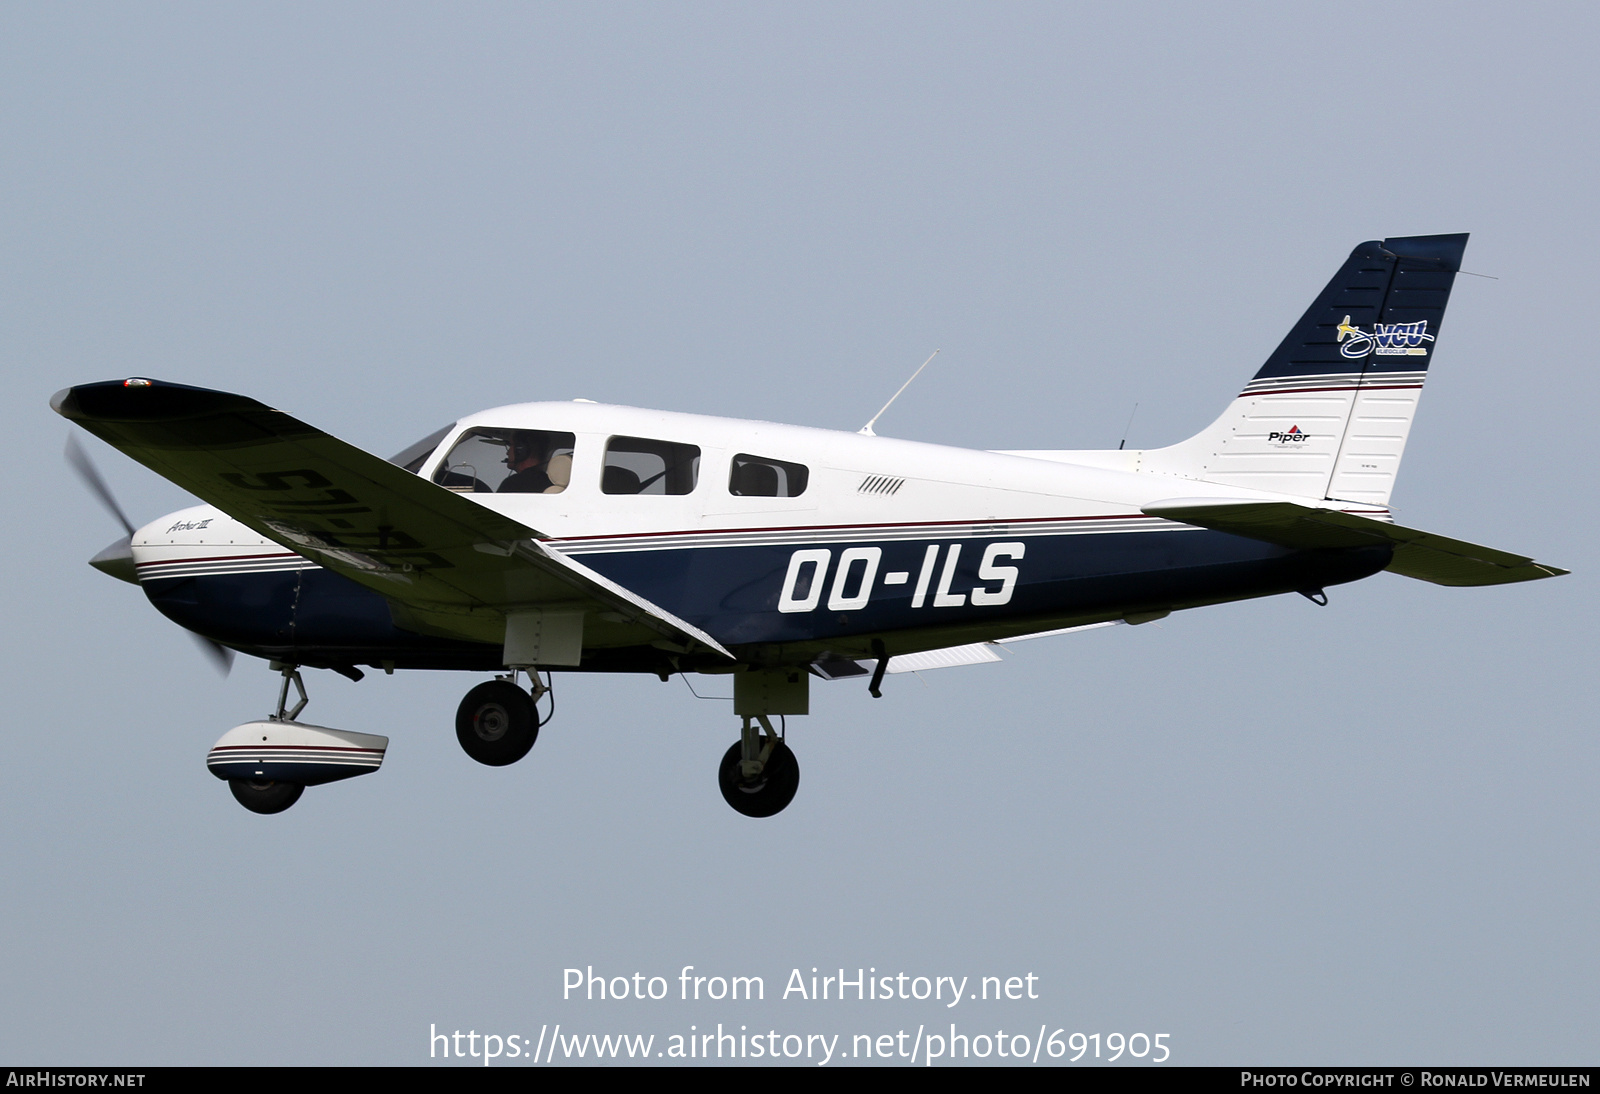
(855, 482)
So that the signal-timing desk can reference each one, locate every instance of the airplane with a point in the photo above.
(574, 536)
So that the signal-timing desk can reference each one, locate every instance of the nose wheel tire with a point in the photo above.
(496, 723)
(265, 796)
(767, 794)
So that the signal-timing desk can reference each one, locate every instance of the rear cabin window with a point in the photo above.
(638, 465)
(508, 461)
(761, 477)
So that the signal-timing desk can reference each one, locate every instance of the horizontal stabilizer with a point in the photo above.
(1417, 554)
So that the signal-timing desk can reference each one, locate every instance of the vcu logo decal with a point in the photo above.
(856, 576)
(1385, 339)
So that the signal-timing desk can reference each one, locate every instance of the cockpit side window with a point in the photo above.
(412, 457)
(508, 461)
(637, 465)
(761, 477)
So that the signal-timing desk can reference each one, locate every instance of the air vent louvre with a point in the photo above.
(883, 485)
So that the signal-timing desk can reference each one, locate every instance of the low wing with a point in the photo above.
(1417, 554)
(452, 565)
(949, 657)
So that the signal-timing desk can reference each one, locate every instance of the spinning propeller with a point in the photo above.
(117, 559)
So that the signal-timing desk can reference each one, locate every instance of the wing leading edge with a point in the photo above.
(453, 566)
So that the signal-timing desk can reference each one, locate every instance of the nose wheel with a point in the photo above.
(265, 795)
(759, 775)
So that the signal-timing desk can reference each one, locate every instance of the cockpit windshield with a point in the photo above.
(508, 461)
(412, 457)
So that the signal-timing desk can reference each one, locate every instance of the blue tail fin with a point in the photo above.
(1328, 414)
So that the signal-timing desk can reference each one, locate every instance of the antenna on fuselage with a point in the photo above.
(866, 430)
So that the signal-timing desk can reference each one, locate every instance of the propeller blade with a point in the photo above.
(221, 656)
(79, 459)
(118, 556)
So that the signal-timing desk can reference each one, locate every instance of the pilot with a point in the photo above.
(533, 470)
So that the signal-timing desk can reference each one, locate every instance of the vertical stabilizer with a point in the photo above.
(1328, 414)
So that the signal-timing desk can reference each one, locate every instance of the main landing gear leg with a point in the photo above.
(497, 723)
(759, 775)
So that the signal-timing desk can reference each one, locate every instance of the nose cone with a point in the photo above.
(117, 560)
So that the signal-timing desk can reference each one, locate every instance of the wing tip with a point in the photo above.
(138, 399)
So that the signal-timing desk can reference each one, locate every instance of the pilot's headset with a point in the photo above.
(525, 444)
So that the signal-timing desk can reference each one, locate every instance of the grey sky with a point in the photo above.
(1280, 833)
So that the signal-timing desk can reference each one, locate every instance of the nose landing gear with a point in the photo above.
(269, 764)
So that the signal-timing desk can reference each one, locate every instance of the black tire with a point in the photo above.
(265, 796)
(496, 723)
(768, 795)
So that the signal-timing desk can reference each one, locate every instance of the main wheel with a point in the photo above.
(770, 793)
(496, 723)
(265, 795)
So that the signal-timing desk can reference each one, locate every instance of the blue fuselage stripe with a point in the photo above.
(734, 592)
